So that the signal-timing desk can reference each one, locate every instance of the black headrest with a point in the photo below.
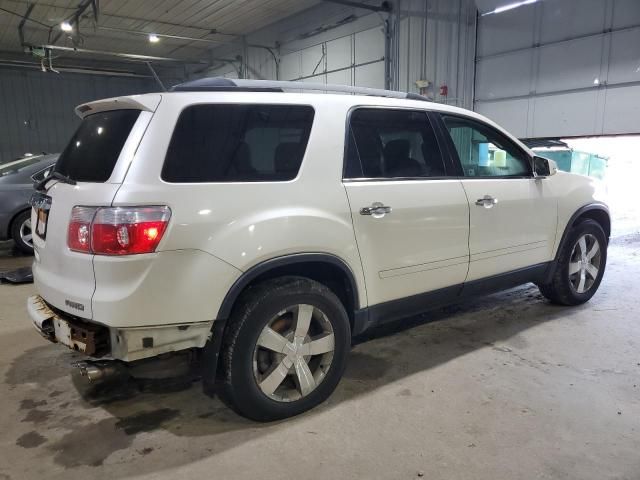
(397, 149)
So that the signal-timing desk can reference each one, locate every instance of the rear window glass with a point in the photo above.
(238, 143)
(95, 147)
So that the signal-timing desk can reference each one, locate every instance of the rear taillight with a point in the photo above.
(118, 230)
(79, 236)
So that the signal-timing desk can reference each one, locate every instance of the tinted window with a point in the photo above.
(238, 143)
(485, 152)
(386, 143)
(95, 147)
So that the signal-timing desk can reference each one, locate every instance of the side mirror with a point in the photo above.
(544, 167)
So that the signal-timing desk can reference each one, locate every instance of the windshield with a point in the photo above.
(16, 165)
(94, 149)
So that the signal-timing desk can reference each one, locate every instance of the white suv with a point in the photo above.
(239, 220)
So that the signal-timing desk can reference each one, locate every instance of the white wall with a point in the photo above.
(561, 68)
(435, 41)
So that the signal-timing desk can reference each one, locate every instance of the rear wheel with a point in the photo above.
(22, 233)
(284, 350)
(580, 266)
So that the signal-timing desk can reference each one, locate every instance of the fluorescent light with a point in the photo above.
(66, 26)
(510, 6)
(153, 38)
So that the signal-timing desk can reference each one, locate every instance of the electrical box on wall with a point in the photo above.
(425, 88)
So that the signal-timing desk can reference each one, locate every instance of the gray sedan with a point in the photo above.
(16, 187)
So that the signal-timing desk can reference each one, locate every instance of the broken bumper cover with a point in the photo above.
(89, 338)
(126, 344)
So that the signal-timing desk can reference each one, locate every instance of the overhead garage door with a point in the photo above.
(561, 68)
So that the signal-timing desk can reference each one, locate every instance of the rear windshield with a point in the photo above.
(95, 147)
(238, 143)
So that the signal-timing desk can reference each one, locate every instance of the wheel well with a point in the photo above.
(597, 215)
(329, 274)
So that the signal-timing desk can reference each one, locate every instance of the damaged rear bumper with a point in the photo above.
(126, 344)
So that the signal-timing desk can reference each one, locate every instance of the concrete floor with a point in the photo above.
(506, 387)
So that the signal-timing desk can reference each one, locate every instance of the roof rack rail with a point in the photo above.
(220, 84)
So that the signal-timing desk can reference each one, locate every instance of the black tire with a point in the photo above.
(16, 225)
(561, 290)
(238, 387)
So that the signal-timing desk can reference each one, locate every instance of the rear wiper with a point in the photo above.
(53, 176)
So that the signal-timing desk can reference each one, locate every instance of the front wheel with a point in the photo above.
(284, 350)
(580, 267)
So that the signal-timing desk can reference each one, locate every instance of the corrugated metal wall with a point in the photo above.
(336, 44)
(36, 108)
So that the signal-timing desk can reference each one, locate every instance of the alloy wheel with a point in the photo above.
(26, 235)
(293, 353)
(584, 263)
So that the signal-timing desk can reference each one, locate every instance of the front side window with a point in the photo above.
(385, 143)
(485, 152)
(238, 143)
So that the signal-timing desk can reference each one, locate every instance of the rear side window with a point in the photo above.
(238, 143)
(95, 147)
(390, 144)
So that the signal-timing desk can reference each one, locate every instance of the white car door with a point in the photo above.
(513, 216)
(410, 217)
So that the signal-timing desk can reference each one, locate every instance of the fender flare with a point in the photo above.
(254, 272)
(563, 240)
(212, 349)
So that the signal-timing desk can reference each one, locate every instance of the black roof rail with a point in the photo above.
(220, 84)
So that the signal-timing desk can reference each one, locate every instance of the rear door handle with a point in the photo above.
(376, 210)
(487, 201)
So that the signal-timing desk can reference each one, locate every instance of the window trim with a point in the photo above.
(447, 166)
(453, 152)
(244, 182)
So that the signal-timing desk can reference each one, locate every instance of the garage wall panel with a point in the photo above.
(584, 68)
(567, 19)
(623, 110)
(435, 42)
(507, 31)
(505, 75)
(570, 65)
(569, 114)
(624, 62)
(36, 108)
(626, 13)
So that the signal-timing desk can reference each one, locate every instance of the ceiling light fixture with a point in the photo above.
(510, 6)
(66, 27)
(153, 38)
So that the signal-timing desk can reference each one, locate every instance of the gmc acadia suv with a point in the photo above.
(261, 229)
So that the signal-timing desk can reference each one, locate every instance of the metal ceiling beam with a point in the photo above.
(384, 6)
(23, 21)
(128, 56)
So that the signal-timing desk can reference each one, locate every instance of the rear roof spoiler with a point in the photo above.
(220, 84)
(148, 103)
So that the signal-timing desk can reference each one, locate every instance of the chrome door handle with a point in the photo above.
(487, 201)
(376, 210)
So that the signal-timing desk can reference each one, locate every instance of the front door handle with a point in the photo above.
(376, 210)
(487, 201)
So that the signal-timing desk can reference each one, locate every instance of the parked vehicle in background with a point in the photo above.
(16, 187)
(235, 220)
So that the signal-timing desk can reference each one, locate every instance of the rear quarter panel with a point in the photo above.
(243, 224)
